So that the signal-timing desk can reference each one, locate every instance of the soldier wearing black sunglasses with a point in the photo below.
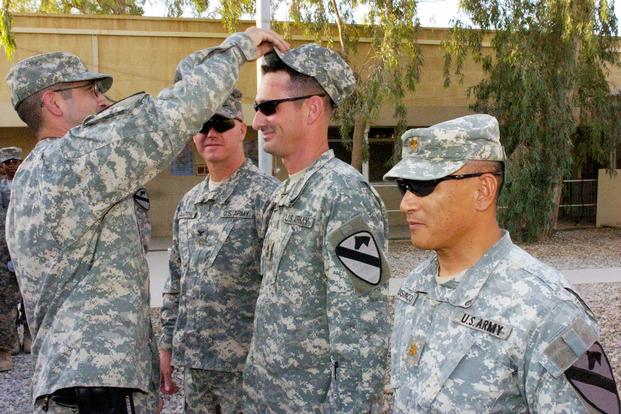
(321, 323)
(482, 325)
(215, 254)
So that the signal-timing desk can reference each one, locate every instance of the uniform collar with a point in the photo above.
(222, 193)
(464, 291)
(286, 196)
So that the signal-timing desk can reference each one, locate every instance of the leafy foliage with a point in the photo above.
(545, 75)
(384, 70)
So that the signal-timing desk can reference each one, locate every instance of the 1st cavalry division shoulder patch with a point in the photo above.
(360, 255)
(591, 375)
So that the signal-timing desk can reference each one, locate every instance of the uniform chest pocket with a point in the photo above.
(216, 237)
(274, 248)
(470, 377)
(199, 243)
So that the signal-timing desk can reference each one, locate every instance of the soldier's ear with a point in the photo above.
(49, 102)
(315, 106)
(242, 131)
(485, 196)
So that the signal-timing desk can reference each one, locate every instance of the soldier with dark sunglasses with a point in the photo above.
(321, 322)
(209, 297)
(482, 326)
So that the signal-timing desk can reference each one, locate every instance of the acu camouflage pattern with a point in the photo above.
(232, 107)
(440, 365)
(73, 235)
(209, 298)
(205, 390)
(10, 153)
(5, 193)
(318, 344)
(324, 65)
(9, 293)
(36, 73)
(442, 149)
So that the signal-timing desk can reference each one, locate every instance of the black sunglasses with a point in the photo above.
(219, 123)
(268, 108)
(424, 188)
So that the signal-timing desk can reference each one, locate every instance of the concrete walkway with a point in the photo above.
(158, 267)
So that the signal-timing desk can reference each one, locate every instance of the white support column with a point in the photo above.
(365, 163)
(263, 21)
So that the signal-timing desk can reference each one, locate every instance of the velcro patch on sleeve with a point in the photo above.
(591, 376)
(359, 253)
(565, 349)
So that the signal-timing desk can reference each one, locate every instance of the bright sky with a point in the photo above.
(432, 13)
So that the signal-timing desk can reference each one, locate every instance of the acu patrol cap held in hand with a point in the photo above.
(38, 72)
(442, 149)
(10, 153)
(324, 65)
(232, 107)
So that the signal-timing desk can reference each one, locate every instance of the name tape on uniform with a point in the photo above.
(303, 221)
(407, 296)
(488, 326)
(230, 213)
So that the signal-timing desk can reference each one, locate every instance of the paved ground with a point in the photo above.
(591, 258)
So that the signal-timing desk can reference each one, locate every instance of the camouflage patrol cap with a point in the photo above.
(232, 107)
(10, 153)
(326, 66)
(36, 73)
(442, 149)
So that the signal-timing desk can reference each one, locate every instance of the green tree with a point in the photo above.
(384, 71)
(545, 76)
(7, 39)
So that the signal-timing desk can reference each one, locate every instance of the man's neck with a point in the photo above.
(305, 156)
(55, 131)
(467, 251)
(221, 171)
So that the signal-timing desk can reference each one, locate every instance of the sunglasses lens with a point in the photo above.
(220, 125)
(403, 188)
(419, 188)
(267, 108)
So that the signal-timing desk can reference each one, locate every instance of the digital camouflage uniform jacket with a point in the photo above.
(209, 298)
(73, 234)
(496, 341)
(320, 332)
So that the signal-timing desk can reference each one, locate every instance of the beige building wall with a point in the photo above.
(608, 199)
(141, 53)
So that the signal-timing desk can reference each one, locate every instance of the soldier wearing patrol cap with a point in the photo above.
(71, 225)
(10, 160)
(482, 326)
(210, 295)
(9, 289)
(321, 320)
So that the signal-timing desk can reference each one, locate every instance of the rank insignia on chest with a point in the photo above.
(414, 352)
(488, 326)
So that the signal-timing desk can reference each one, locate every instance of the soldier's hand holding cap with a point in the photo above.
(265, 40)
